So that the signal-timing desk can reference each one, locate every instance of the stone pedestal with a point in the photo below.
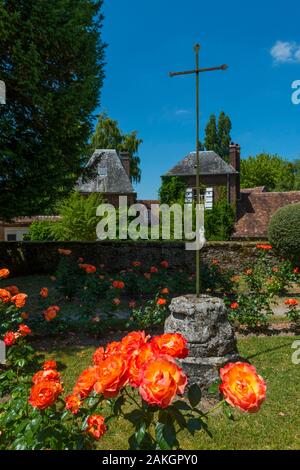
(211, 341)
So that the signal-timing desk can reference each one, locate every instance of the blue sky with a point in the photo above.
(260, 41)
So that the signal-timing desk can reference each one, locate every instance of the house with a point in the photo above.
(254, 206)
(214, 172)
(110, 176)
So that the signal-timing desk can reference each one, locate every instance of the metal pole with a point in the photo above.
(197, 48)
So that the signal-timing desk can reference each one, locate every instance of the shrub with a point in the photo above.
(284, 234)
(41, 230)
(79, 218)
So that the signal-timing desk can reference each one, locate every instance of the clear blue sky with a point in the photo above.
(259, 40)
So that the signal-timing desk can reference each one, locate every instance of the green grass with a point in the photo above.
(276, 426)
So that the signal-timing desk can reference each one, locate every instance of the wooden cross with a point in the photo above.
(197, 71)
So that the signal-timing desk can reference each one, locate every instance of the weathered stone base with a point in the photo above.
(203, 322)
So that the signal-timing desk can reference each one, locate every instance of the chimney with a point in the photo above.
(235, 161)
(125, 160)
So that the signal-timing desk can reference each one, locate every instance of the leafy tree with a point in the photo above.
(108, 135)
(271, 171)
(217, 135)
(78, 218)
(51, 59)
(172, 190)
(297, 174)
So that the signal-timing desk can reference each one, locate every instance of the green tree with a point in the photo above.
(217, 135)
(172, 190)
(78, 218)
(108, 135)
(297, 174)
(271, 171)
(51, 59)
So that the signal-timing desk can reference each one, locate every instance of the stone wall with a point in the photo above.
(42, 257)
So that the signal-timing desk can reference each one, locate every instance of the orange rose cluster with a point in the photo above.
(11, 337)
(18, 299)
(88, 268)
(46, 387)
(139, 361)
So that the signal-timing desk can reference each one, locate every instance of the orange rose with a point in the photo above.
(19, 300)
(24, 316)
(136, 264)
(49, 365)
(291, 302)
(118, 284)
(248, 272)
(5, 296)
(98, 355)
(234, 305)
(164, 264)
(62, 251)
(96, 426)
(165, 291)
(90, 269)
(296, 270)
(116, 301)
(161, 301)
(171, 344)
(73, 403)
(242, 387)
(133, 342)
(85, 382)
(46, 375)
(112, 375)
(264, 247)
(4, 273)
(44, 394)
(24, 330)
(137, 361)
(112, 348)
(161, 381)
(10, 338)
(153, 269)
(44, 292)
(51, 312)
(13, 290)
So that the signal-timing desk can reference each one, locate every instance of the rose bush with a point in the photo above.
(135, 379)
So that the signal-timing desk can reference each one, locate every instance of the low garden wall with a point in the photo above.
(42, 257)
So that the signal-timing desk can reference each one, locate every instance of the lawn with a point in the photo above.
(276, 426)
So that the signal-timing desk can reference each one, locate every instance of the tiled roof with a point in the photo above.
(256, 208)
(110, 175)
(210, 164)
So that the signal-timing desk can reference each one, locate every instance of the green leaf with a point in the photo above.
(194, 395)
(165, 436)
(214, 388)
(140, 434)
(182, 405)
(194, 424)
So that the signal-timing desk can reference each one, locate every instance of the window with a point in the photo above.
(11, 237)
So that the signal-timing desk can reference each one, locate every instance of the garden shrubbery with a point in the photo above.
(284, 233)
(136, 379)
